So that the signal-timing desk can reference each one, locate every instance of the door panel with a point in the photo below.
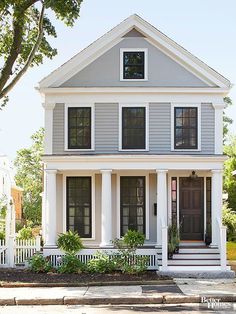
(191, 208)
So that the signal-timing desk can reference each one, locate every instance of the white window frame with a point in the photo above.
(189, 105)
(147, 196)
(77, 105)
(78, 174)
(145, 50)
(141, 105)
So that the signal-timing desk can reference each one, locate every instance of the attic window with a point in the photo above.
(133, 64)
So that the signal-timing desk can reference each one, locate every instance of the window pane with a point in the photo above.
(185, 128)
(79, 128)
(132, 196)
(133, 65)
(79, 205)
(133, 128)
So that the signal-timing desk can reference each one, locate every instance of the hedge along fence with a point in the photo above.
(87, 254)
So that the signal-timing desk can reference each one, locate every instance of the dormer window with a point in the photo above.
(133, 64)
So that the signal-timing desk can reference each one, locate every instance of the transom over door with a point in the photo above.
(191, 208)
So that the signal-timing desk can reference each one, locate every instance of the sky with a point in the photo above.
(206, 28)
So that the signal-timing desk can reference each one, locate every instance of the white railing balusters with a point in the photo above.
(222, 244)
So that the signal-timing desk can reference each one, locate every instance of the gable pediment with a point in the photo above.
(169, 64)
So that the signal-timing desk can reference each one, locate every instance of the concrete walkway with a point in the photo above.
(182, 291)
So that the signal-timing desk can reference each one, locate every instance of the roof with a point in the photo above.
(111, 38)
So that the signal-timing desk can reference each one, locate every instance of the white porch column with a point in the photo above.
(48, 125)
(216, 204)
(161, 203)
(50, 209)
(106, 227)
(219, 127)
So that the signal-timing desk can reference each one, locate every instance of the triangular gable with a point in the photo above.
(133, 33)
(134, 24)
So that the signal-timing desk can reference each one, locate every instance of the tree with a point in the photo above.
(227, 121)
(24, 32)
(230, 165)
(29, 174)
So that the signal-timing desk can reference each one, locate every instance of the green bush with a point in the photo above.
(101, 263)
(126, 259)
(229, 220)
(19, 226)
(70, 242)
(25, 234)
(71, 264)
(40, 264)
(2, 236)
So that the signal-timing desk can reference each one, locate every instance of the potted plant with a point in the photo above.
(173, 235)
(171, 249)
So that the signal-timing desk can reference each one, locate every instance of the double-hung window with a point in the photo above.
(133, 128)
(79, 128)
(186, 128)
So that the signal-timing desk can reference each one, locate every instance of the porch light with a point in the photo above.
(193, 175)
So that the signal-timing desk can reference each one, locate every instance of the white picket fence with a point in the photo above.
(16, 252)
(87, 254)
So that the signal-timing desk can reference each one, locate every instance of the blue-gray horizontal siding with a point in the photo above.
(58, 129)
(107, 130)
(160, 127)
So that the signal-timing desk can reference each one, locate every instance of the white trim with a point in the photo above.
(122, 50)
(198, 106)
(143, 105)
(48, 125)
(218, 127)
(134, 89)
(205, 206)
(107, 41)
(69, 105)
(93, 183)
(147, 207)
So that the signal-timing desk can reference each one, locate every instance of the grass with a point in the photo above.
(231, 251)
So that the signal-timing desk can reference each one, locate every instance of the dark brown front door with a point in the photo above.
(191, 208)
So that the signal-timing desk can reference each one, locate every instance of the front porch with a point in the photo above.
(164, 194)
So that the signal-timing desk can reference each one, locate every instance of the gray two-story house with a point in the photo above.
(134, 141)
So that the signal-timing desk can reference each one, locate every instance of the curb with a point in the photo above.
(158, 299)
(91, 284)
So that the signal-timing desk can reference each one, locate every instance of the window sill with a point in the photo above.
(133, 150)
(134, 80)
(186, 150)
(78, 150)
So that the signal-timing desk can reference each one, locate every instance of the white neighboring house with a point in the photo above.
(133, 140)
(6, 184)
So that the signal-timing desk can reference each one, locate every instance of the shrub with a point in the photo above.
(2, 236)
(40, 264)
(229, 220)
(101, 263)
(126, 259)
(70, 242)
(25, 234)
(71, 264)
(19, 226)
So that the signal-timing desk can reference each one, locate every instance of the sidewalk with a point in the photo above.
(182, 291)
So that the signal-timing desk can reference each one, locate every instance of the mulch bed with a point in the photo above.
(25, 276)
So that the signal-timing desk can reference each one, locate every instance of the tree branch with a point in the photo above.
(30, 57)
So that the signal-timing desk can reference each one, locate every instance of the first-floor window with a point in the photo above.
(79, 203)
(132, 204)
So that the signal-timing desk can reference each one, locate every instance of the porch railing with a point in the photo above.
(222, 244)
(87, 254)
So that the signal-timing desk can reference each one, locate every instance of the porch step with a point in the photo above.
(192, 244)
(195, 262)
(194, 268)
(203, 256)
(199, 250)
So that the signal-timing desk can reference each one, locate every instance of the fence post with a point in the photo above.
(223, 255)
(38, 243)
(11, 248)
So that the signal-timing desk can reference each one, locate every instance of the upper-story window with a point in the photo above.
(133, 127)
(185, 127)
(133, 64)
(79, 128)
